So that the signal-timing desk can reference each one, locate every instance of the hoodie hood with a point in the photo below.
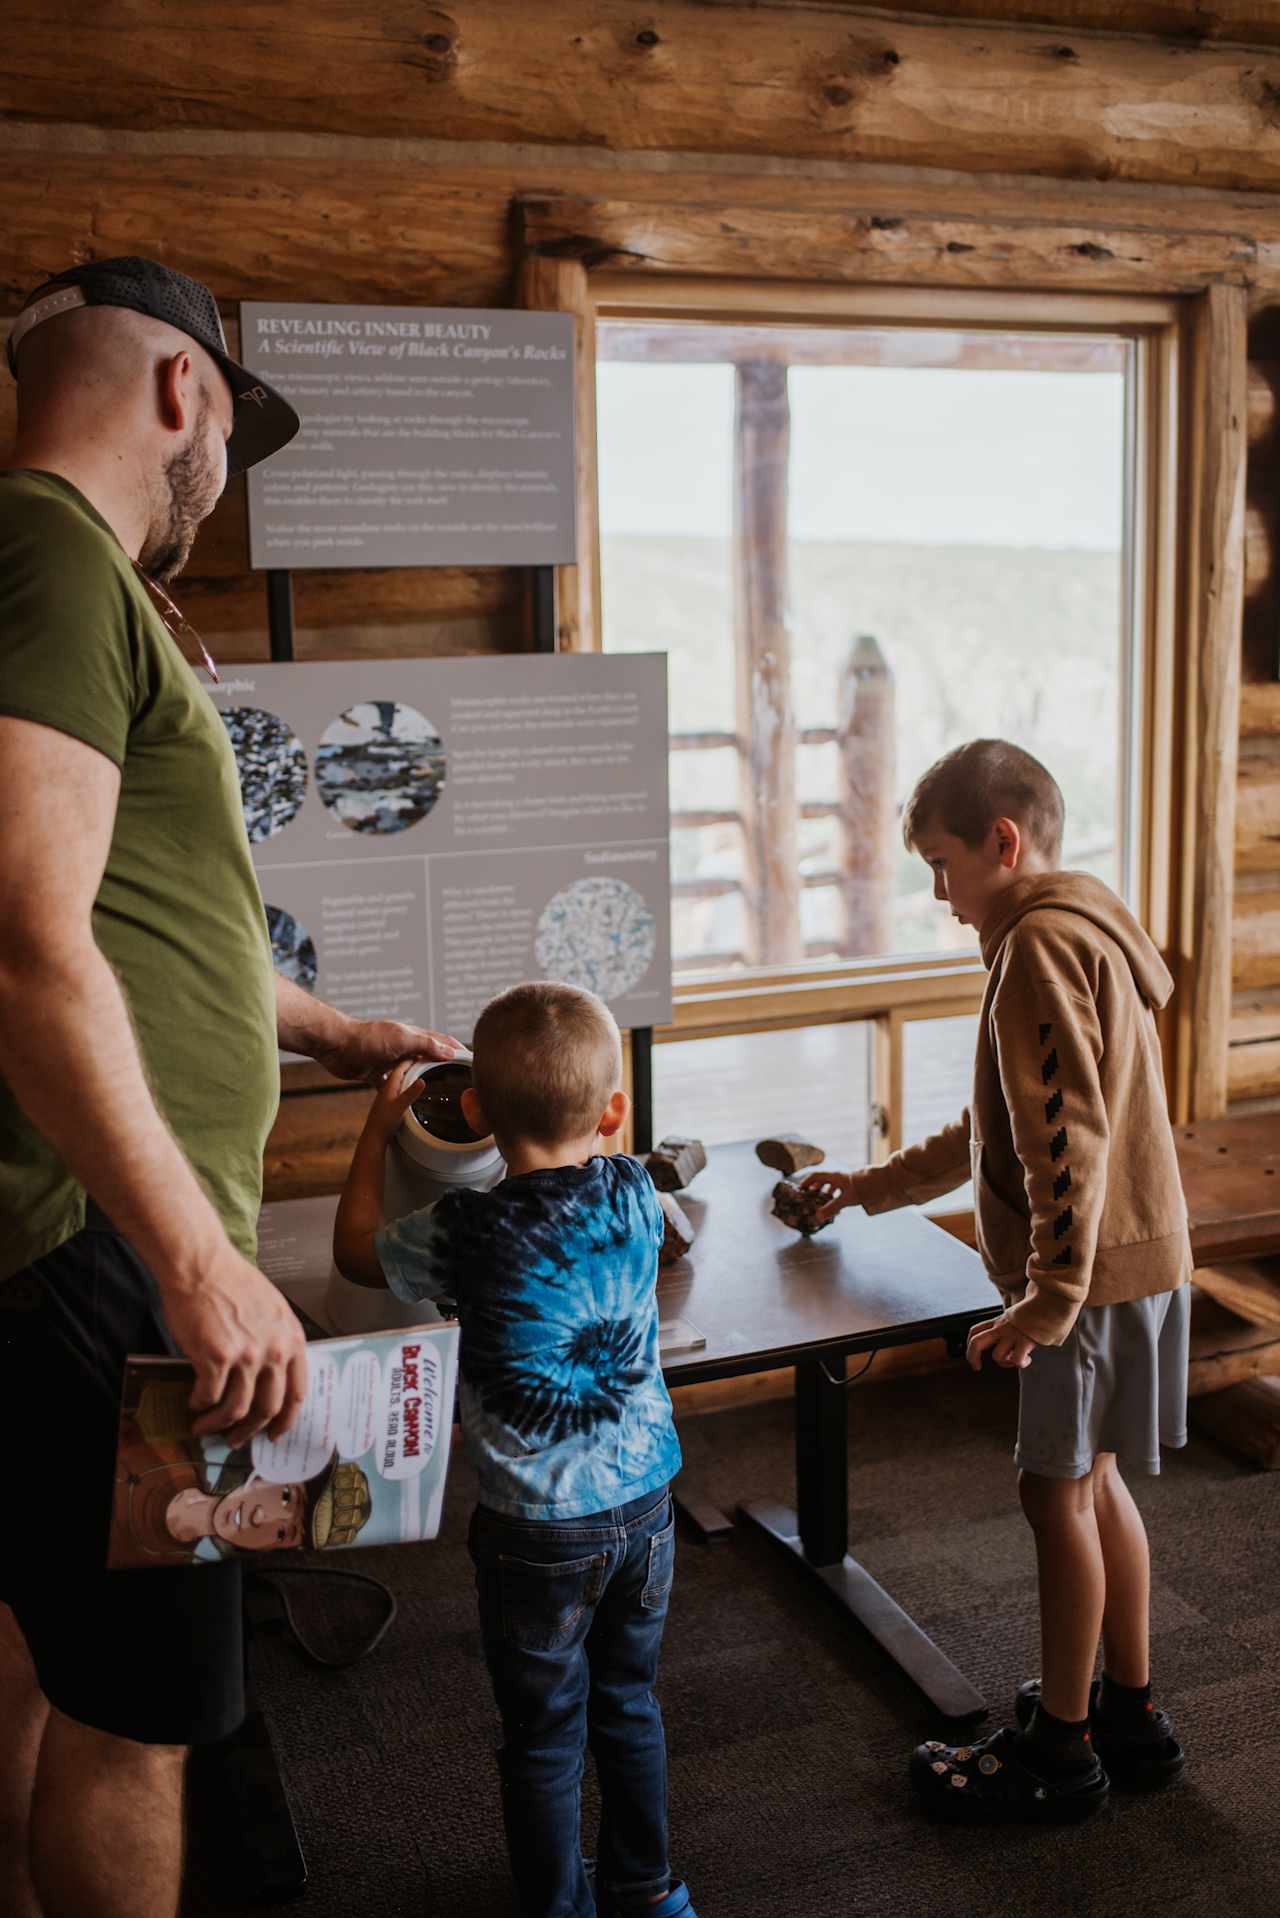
(1081, 893)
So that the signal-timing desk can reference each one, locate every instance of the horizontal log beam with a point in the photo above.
(1258, 811)
(816, 82)
(879, 244)
(1256, 937)
(311, 1143)
(1253, 1071)
(1255, 1017)
(265, 228)
(1245, 22)
(1260, 707)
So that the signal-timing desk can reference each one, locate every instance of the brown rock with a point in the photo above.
(678, 1234)
(798, 1208)
(675, 1163)
(789, 1153)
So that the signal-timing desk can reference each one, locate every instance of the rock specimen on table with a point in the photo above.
(789, 1153)
(798, 1207)
(677, 1234)
(676, 1163)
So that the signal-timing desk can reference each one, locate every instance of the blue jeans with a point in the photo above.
(571, 1615)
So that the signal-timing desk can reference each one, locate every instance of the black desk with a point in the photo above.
(764, 1297)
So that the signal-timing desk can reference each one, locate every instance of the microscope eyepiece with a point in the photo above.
(438, 1107)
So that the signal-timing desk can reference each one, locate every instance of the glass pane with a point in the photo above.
(665, 437)
(970, 521)
(812, 1081)
(957, 499)
(937, 1082)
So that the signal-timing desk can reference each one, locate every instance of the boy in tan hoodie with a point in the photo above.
(1083, 1228)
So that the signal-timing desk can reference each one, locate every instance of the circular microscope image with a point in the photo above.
(597, 933)
(380, 766)
(272, 766)
(293, 950)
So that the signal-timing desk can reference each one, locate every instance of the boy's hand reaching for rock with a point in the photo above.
(836, 1189)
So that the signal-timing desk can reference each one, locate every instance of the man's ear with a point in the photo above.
(614, 1116)
(473, 1112)
(178, 391)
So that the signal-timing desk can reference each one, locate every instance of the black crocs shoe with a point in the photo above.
(990, 1783)
(1145, 1760)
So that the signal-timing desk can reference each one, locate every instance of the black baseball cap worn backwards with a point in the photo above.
(263, 421)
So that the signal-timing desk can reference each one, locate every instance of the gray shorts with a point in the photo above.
(1118, 1384)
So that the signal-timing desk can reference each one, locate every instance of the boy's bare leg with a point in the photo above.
(1126, 1619)
(24, 1711)
(1061, 1514)
(106, 1824)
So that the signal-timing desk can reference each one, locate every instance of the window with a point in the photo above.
(862, 546)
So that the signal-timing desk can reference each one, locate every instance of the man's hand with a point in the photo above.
(838, 1189)
(246, 1345)
(1003, 1340)
(366, 1048)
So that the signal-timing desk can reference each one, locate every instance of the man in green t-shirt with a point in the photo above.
(139, 1024)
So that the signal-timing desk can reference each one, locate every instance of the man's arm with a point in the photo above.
(68, 1052)
(351, 1048)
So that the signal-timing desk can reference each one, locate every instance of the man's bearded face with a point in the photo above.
(190, 489)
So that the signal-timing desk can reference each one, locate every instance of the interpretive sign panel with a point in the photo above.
(431, 436)
(428, 832)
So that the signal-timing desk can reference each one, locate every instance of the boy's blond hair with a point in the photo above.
(966, 790)
(548, 1058)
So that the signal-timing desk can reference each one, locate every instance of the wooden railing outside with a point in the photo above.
(863, 806)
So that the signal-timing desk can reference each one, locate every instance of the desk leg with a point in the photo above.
(816, 1536)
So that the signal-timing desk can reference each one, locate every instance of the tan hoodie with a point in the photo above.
(1077, 1195)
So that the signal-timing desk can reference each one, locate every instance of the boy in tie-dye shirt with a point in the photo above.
(568, 1423)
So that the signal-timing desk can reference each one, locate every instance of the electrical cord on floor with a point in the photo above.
(308, 1650)
(861, 1372)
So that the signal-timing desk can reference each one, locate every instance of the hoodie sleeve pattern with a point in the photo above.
(1050, 1044)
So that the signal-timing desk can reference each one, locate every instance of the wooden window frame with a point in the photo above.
(1187, 439)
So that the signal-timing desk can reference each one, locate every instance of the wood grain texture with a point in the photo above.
(560, 286)
(1246, 22)
(1249, 1288)
(883, 243)
(1215, 576)
(1225, 1351)
(815, 81)
(1256, 936)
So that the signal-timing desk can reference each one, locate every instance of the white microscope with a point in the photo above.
(434, 1152)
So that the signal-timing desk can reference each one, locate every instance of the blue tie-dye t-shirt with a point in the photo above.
(554, 1274)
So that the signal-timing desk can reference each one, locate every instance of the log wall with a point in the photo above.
(334, 152)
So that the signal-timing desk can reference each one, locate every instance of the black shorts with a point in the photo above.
(155, 1656)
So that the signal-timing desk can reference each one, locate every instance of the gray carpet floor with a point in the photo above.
(788, 1731)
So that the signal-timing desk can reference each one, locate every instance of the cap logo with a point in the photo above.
(258, 394)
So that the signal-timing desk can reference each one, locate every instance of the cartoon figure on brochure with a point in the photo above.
(171, 1505)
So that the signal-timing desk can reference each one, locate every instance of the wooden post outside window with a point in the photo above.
(766, 723)
(868, 758)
